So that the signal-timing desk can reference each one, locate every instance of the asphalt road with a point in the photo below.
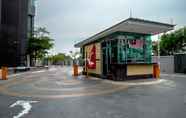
(54, 93)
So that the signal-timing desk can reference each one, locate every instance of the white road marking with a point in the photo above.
(26, 107)
(39, 71)
(14, 75)
(18, 74)
(58, 83)
(170, 83)
(53, 69)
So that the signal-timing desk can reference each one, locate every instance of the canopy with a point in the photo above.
(132, 25)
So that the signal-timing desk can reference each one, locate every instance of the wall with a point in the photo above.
(139, 70)
(166, 63)
(98, 57)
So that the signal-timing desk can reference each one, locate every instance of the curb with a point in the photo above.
(133, 82)
(153, 82)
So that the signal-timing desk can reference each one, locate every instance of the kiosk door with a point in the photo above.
(105, 62)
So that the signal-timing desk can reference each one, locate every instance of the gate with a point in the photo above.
(180, 63)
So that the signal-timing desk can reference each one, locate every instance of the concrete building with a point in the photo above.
(16, 25)
(122, 51)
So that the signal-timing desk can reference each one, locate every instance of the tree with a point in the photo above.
(39, 44)
(60, 57)
(174, 42)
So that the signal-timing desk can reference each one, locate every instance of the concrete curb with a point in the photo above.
(133, 82)
(136, 83)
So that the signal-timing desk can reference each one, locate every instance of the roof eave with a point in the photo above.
(95, 37)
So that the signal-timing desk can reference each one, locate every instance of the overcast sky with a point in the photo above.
(70, 21)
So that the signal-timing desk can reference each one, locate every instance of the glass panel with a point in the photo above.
(135, 49)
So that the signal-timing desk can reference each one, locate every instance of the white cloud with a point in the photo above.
(74, 20)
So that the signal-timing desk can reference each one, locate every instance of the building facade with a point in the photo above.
(16, 25)
(122, 51)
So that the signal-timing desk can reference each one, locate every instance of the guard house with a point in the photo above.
(122, 51)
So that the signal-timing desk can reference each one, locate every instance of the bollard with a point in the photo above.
(156, 71)
(75, 70)
(4, 72)
(1, 73)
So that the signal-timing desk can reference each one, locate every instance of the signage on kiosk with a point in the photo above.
(91, 62)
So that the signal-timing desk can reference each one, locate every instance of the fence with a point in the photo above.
(166, 63)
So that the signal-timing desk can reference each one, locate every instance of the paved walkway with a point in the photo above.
(58, 82)
(55, 93)
(55, 83)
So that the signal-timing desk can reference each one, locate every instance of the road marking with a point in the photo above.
(26, 107)
(58, 83)
(14, 75)
(52, 69)
(38, 71)
(28, 72)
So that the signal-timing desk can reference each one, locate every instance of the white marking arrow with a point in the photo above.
(26, 107)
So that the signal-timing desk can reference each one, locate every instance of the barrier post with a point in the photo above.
(0, 73)
(4, 72)
(75, 70)
(156, 71)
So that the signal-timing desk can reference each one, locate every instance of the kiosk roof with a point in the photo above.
(132, 25)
